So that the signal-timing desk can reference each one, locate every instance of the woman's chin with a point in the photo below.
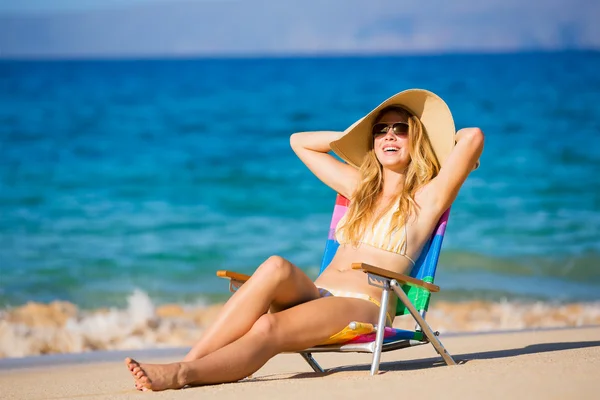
(393, 164)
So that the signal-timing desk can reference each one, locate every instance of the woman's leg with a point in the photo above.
(276, 283)
(294, 329)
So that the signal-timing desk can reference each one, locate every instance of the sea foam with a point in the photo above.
(61, 327)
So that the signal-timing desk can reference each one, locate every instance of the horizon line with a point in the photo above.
(287, 55)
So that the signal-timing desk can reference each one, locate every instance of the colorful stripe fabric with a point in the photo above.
(425, 269)
(340, 208)
(365, 333)
(390, 335)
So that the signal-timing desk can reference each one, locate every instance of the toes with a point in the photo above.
(131, 363)
(142, 382)
(145, 382)
(135, 371)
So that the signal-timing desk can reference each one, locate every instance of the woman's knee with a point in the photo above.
(265, 327)
(276, 267)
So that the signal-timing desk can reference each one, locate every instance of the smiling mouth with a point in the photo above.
(390, 150)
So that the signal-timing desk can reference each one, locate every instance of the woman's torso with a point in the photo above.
(339, 274)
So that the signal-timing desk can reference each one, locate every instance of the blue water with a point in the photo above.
(153, 174)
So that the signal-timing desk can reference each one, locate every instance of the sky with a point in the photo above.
(182, 28)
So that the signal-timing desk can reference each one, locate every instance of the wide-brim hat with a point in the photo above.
(429, 108)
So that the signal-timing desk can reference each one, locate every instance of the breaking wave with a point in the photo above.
(62, 327)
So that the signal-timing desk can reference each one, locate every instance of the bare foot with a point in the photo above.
(135, 370)
(155, 376)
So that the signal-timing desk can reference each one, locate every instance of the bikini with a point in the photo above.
(378, 237)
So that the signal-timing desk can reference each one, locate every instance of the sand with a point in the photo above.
(544, 364)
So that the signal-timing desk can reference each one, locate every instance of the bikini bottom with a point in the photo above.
(340, 293)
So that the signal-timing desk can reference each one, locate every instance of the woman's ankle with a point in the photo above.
(182, 377)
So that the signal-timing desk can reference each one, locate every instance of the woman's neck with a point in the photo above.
(392, 184)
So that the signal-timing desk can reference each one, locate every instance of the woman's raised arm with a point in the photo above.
(461, 161)
(313, 148)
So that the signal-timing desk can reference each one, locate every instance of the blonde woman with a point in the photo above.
(404, 167)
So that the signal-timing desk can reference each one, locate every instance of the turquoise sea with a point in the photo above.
(153, 174)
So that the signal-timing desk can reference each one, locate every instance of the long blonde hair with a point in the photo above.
(422, 168)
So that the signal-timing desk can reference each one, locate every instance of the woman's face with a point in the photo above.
(390, 140)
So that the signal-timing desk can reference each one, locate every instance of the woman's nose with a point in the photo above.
(390, 134)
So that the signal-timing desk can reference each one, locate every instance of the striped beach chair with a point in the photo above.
(413, 293)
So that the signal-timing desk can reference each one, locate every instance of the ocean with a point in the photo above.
(121, 177)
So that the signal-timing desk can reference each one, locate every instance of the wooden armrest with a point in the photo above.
(393, 275)
(233, 276)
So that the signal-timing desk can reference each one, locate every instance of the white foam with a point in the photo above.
(37, 329)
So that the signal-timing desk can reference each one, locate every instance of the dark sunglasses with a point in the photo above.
(398, 128)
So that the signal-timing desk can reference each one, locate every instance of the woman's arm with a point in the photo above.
(461, 161)
(312, 148)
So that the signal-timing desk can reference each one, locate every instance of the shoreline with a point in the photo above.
(101, 356)
(62, 328)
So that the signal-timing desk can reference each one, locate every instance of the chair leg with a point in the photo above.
(422, 314)
(385, 295)
(312, 362)
(424, 325)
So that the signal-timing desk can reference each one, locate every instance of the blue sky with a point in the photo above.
(142, 28)
(36, 6)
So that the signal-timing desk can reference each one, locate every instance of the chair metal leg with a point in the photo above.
(312, 362)
(422, 313)
(424, 325)
(385, 296)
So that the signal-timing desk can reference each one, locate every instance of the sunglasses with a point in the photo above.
(398, 128)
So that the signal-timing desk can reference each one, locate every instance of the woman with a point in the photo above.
(403, 171)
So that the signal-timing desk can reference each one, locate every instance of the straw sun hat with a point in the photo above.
(431, 110)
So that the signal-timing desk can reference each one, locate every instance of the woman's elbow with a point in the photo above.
(474, 136)
(294, 140)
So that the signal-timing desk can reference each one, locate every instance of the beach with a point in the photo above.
(533, 364)
(124, 187)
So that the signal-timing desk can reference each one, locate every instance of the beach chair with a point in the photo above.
(413, 293)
